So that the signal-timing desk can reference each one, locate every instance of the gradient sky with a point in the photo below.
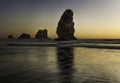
(93, 18)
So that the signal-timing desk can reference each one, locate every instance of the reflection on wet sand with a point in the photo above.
(85, 72)
(59, 65)
(95, 66)
(65, 64)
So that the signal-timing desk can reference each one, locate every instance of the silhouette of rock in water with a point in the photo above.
(65, 29)
(10, 37)
(24, 36)
(42, 34)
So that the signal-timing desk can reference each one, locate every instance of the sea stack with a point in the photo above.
(65, 29)
(24, 36)
(10, 37)
(42, 34)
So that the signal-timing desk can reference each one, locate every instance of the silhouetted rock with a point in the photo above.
(42, 34)
(24, 36)
(65, 29)
(10, 37)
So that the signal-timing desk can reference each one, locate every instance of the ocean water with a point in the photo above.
(58, 62)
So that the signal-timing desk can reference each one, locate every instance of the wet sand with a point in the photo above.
(58, 65)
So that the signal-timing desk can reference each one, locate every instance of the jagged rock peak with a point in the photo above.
(24, 36)
(42, 34)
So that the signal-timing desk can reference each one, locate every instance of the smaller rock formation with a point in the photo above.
(24, 36)
(10, 37)
(65, 29)
(42, 34)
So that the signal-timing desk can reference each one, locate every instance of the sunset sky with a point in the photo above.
(93, 18)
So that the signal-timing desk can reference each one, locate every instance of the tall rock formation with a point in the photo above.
(65, 29)
(24, 36)
(42, 34)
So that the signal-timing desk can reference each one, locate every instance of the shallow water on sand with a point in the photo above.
(58, 65)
